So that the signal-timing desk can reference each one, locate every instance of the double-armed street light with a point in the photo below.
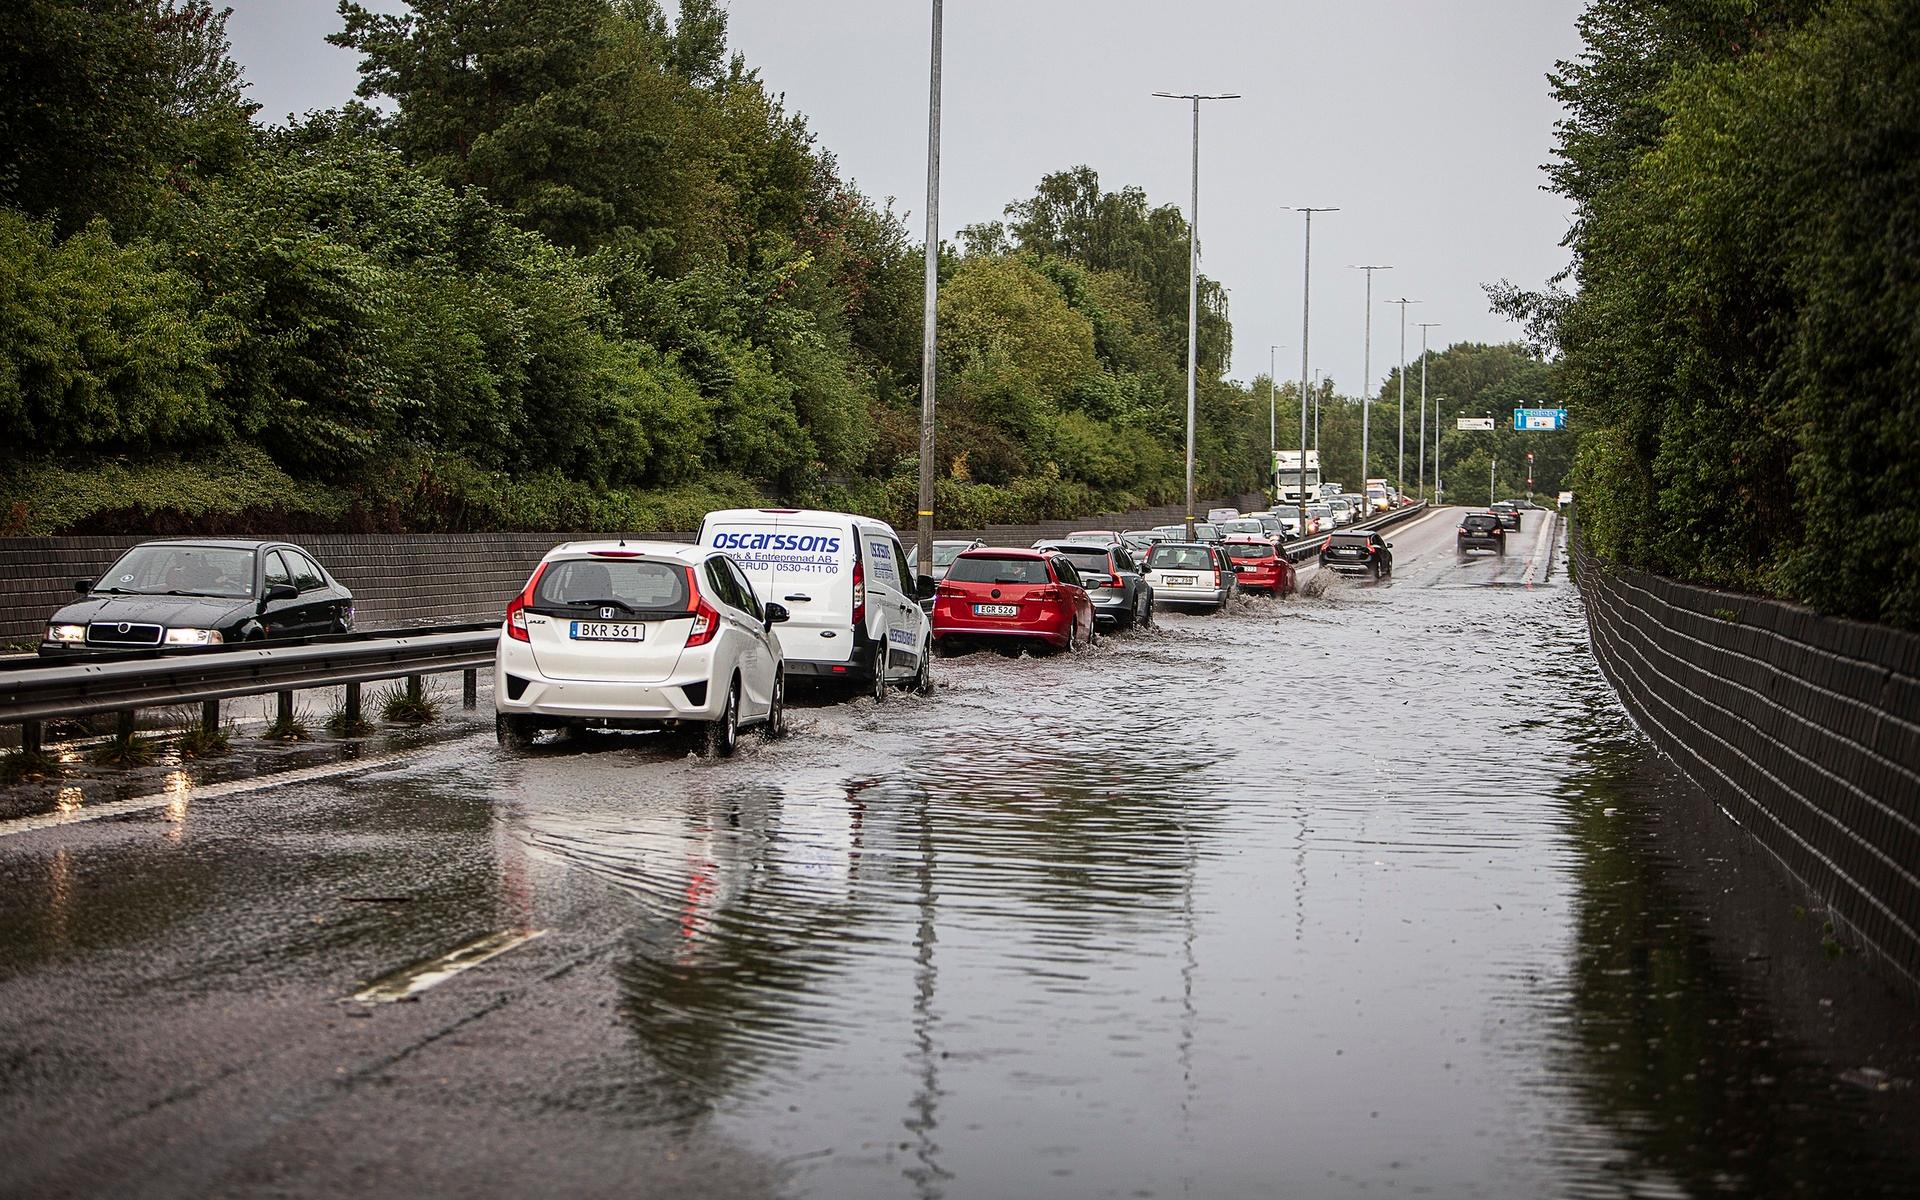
(1400, 467)
(1193, 278)
(1421, 473)
(1306, 296)
(1366, 397)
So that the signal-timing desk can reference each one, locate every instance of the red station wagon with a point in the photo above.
(997, 593)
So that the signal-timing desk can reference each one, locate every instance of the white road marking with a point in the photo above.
(413, 980)
(187, 792)
(1545, 535)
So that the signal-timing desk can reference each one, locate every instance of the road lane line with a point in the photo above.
(1545, 534)
(411, 981)
(212, 791)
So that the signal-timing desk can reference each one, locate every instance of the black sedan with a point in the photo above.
(200, 593)
(1362, 552)
(1121, 596)
(1508, 512)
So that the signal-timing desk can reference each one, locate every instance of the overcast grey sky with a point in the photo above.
(1424, 121)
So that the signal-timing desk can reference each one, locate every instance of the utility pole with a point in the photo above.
(1400, 468)
(1273, 418)
(1366, 383)
(1193, 280)
(1316, 413)
(927, 349)
(1421, 473)
(1306, 297)
(1437, 401)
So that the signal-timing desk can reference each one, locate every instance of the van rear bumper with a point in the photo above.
(859, 667)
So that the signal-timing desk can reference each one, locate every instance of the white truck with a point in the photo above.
(1289, 477)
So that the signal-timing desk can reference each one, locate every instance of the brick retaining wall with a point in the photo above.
(1804, 728)
(410, 579)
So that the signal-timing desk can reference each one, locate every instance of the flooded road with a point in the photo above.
(1375, 891)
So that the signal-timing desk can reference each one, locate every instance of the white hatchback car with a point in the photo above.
(639, 635)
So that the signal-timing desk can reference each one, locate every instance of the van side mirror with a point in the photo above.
(776, 613)
(83, 586)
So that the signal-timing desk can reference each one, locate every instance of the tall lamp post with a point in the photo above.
(1306, 297)
(1421, 473)
(1400, 468)
(1437, 402)
(1273, 415)
(927, 359)
(1193, 278)
(1366, 383)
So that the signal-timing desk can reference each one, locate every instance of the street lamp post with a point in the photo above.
(1366, 382)
(1400, 467)
(1193, 279)
(1316, 411)
(1421, 473)
(927, 327)
(1437, 402)
(1273, 416)
(1306, 297)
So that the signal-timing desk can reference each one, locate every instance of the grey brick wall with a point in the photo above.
(1805, 728)
(409, 579)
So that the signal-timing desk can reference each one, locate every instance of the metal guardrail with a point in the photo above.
(51, 690)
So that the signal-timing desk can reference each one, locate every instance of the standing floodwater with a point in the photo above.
(1337, 895)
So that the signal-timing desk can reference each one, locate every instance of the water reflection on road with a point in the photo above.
(1310, 898)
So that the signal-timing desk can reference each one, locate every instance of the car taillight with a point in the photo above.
(1216, 577)
(859, 595)
(706, 618)
(517, 607)
(949, 592)
(1117, 582)
(1047, 594)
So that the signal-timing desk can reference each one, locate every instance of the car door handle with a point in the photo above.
(798, 596)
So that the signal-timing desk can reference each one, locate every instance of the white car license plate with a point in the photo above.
(1179, 581)
(602, 631)
(996, 610)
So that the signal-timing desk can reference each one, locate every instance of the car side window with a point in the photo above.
(1065, 572)
(723, 586)
(1124, 561)
(277, 572)
(907, 586)
(750, 602)
(306, 576)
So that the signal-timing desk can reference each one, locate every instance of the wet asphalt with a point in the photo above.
(1371, 891)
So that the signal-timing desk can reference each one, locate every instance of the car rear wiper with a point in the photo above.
(622, 605)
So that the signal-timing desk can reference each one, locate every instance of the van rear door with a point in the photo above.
(801, 561)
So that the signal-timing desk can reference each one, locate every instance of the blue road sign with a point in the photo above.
(1539, 418)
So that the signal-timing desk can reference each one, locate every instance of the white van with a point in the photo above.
(854, 600)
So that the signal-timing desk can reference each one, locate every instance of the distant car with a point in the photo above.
(1343, 511)
(1508, 514)
(1378, 500)
(1481, 531)
(1290, 527)
(1217, 515)
(639, 635)
(1086, 537)
(1243, 527)
(1259, 566)
(1139, 541)
(944, 552)
(1203, 531)
(1012, 595)
(200, 592)
(1184, 574)
(1320, 518)
(1274, 527)
(1358, 552)
(1114, 582)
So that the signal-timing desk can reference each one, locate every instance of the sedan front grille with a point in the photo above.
(123, 633)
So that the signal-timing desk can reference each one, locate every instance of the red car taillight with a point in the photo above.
(517, 607)
(859, 596)
(706, 618)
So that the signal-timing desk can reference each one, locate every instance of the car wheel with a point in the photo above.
(514, 733)
(723, 736)
(923, 678)
(1146, 612)
(1126, 620)
(880, 676)
(777, 711)
(1073, 635)
(1374, 571)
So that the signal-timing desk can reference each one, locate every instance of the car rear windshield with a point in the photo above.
(1179, 558)
(985, 568)
(1088, 560)
(1249, 550)
(1488, 522)
(630, 584)
(1352, 539)
(1243, 525)
(182, 571)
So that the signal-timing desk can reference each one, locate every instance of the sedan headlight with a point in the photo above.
(194, 637)
(69, 634)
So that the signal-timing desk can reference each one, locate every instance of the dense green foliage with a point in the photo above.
(579, 268)
(1743, 341)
